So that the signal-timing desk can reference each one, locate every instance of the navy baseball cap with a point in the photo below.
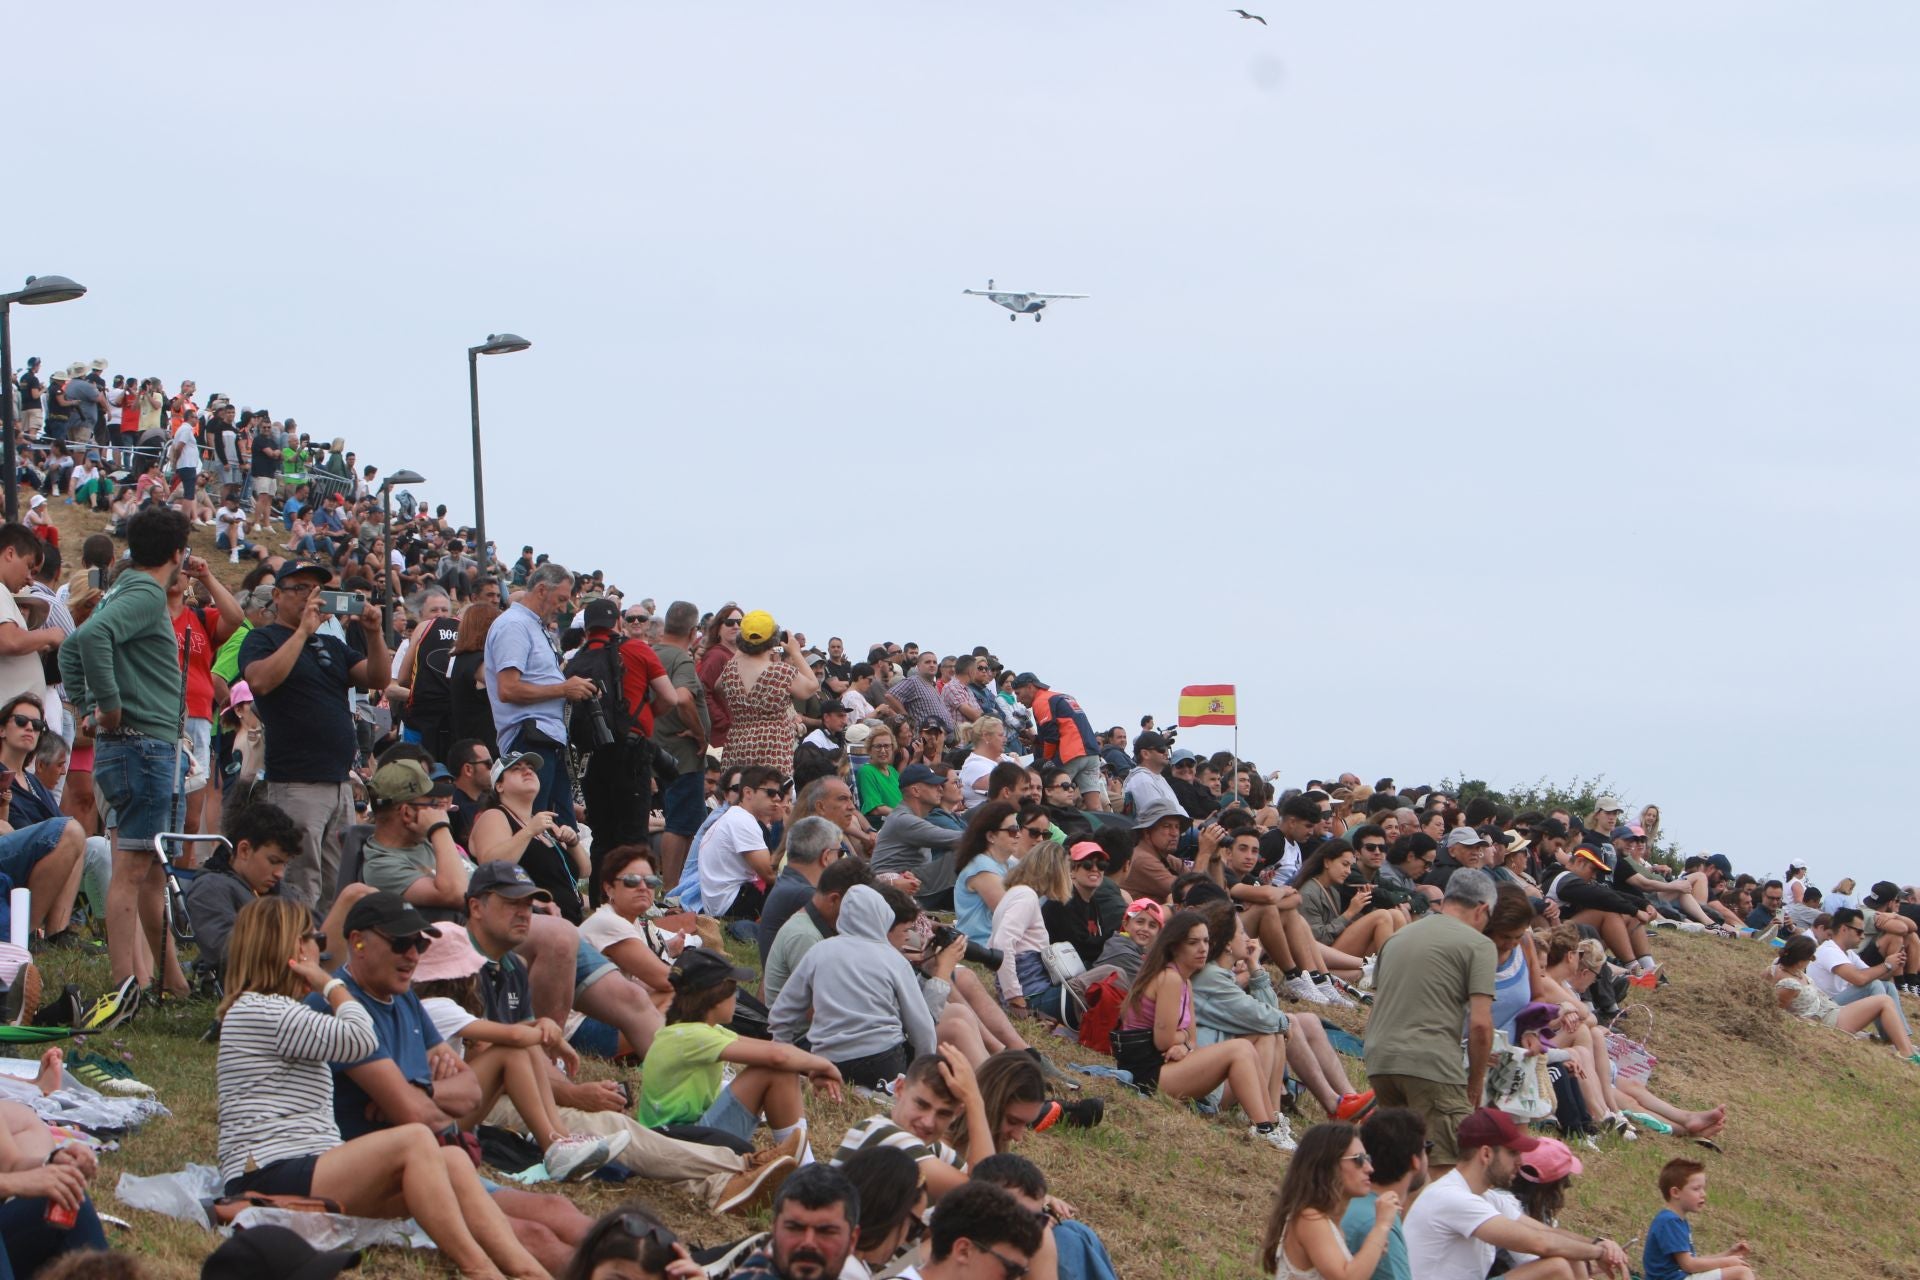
(920, 773)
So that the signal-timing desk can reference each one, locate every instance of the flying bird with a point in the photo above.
(1243, 13)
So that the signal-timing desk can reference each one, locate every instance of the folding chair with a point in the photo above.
(170, 845)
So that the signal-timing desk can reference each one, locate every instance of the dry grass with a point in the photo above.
(1821, 1126)
(1822, 1131)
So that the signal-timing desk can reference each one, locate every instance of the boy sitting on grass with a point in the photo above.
(1669, 1251)
(935, 1091)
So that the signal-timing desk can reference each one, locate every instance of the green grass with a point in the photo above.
(1822, 1134)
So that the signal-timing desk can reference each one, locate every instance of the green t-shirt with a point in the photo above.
(681, 1077)
(878, 787)
(1421, 984)
(226, 663)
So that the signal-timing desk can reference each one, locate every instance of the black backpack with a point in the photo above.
(601, 663)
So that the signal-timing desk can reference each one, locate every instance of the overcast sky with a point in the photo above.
(1509, 391)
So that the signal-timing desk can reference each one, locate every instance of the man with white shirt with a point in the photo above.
(1147, 783)
(1452, 1230)
(989, 749)
(1838, 971)
(734, 858)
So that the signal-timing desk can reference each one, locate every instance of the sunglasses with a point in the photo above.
(1371, 847)
(731, 622)
(1008, 1267)
(317, 937)
(774, 792)
(1038, 833)
(1362, 1158)
(414, 942)
(634, 882)
(28, 722)
(1015, 829)
(639, 617)
(652, 1232)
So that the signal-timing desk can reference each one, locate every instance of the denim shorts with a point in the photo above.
(596, 1039)
(685, 803)
(589, 966)
(21, 851)
(141, 779)
(727, 1115)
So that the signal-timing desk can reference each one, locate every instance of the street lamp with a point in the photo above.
(401, 476)
(497, 344)
(38, 290)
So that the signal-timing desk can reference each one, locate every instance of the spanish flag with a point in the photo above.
(1206, 704)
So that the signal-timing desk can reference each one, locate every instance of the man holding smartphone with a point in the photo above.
(300, 677)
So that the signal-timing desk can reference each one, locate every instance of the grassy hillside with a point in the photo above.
(1822, 1132)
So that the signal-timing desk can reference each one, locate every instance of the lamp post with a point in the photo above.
(402, 476)
(497, 344)
(38, 290)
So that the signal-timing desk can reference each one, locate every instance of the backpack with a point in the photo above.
(1103, 1001)
(601, 663)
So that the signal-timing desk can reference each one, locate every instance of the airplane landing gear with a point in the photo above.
(1037, 317)
(1015, 318)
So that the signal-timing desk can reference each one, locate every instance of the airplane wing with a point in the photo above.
(1052, 296)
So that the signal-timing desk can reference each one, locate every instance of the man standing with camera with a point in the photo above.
(300, 678)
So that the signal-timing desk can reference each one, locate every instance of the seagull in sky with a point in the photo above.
(1256, 17)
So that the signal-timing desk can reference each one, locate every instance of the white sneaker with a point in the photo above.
(1333, 996)
(1366, 973)
(1280, 1137)
(1301, 988)
(575, 1157)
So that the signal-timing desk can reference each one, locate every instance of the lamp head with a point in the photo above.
(499, 344)
(44, 289)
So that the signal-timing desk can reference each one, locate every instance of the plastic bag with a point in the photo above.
(326, 1231)
(177, 1195)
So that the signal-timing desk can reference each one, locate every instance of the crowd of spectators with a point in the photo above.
(482, 819)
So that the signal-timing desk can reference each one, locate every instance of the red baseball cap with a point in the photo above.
(1084, 850)
(1489, 1127)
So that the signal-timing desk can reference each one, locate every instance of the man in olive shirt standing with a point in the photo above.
(1431, 977)
(685, 801)
(123, 666)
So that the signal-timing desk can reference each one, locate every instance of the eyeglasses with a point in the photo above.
(1008, 1267)
(1427, 1146)
(1361, 1158)
(28, 722)
(634, 882)
(414, 942)
(1013, 830)
(317, 937)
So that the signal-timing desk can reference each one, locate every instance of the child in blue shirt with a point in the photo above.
(1669, 1254)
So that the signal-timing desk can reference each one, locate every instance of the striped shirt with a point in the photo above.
(882, 1131)
(274, 1086)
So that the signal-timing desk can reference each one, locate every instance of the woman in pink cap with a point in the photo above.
(1539, 1188)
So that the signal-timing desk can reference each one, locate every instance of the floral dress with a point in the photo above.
(762, 729)
(1809, 1001)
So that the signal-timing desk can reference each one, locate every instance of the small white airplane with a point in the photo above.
(1027, 304)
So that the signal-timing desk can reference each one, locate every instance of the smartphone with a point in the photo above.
(96, 578)
(340, 604)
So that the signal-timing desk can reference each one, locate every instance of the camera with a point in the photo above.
(945, 935)
(596, 733)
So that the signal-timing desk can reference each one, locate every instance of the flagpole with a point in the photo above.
(1234, 795)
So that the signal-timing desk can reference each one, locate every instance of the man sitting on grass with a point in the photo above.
(265, 838)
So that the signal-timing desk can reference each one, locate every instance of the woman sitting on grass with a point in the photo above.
(1303, 1240)
(506, 1059)
(980, 866)
(1020, 930)
(1156, 1044)
(680, 1080)
(277, 1132)
(1352, 929)
(1224, 1011)
(1798, 996)
(631, 1242)
(1572, 964)
(620, 928)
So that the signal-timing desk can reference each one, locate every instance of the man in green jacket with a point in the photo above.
(122, 667)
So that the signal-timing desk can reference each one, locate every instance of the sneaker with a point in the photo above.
(107, 1075)
(61, 1011)
(1769, 933)
(1280, 1137)
(572, 1158)
(1082, 1113)
(1620, 1127)
(22, 999)
(756, 1184)
(1300, 987)
(112, 1009)
(1914, 1057)
(1332, 994)
(1366, 973)
(1354, 1106)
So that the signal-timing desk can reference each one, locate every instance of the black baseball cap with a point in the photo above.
(385, 911)
(697, 968)
(1151, 742)
(300, 567)
(274, 1251)
(834, 707)
(600, 613)
(508, 879)
(1027, 678)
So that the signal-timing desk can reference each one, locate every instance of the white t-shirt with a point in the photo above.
(606, 927)
(227, 518)
(1509, 1206)
(1821, 969)
(975, 769)
(20, 672)
(1439, 1232)
(858, 708)
(449, 1019)
(723, 861)
(189, 443)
